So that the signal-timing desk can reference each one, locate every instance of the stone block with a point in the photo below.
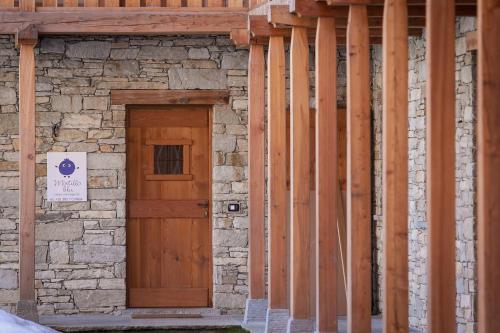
(111, 284)
(198, 53)
(9, 198)
(8, 279)
(70, 135)
(98, 254)
(88, 50)
(9, 123)
(120, 54)
(95, 103)
(98, 239)
(188, 78)
(162, 53)
(80, 284)
(79, 120)
(227, 173)
(231, 238)
(6, 224)
(87, 299)
(65, 103)
(7, 96)
(61, 231)
(59, 253)
(122, 68)
(235, 60)
(224, 143)
(52, 45)
(106, 161)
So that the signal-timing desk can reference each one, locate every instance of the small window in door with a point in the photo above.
(168, 160)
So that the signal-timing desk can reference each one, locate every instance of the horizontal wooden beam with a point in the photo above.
(149, 97)
(124, 21)
(240, 37)
(320, 8)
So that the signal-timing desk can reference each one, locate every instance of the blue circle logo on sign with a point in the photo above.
(67, 167)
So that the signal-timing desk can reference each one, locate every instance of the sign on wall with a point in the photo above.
(66, 176)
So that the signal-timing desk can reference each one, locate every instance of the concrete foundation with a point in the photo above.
(277, 320)
(26, 309)
(255, 311)
(300, 325)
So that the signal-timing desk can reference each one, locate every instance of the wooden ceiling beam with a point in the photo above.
(123, 21)
(321, 8)
(240, 37)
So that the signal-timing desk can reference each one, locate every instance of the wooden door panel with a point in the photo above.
(168, 226)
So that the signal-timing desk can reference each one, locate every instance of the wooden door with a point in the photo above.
(168, 206)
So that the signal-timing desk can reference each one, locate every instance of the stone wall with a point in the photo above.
(465, 178)
(80, 247)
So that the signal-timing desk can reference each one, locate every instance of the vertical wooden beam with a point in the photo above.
(395, 166)
(256, 177)
(277, 256)
(358, 173)
(488, 162)
(440, 109)
(27, 5)
(26, 41)
(300, 177)
(326, 175)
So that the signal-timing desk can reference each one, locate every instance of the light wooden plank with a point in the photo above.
(111, 3)
(440, 111)
(488, 162)
(395, 167)
(70, 3)
(27, 6)
(132, 3)
(174, 3)
(166, 96)
(358, 173)
(153, 3)
(301, 227)
(194, 3)
(90, 3)
(49, 3)
(6, 3)
(122, 20)
(235, 3)
(256, 176)
(326, 176)
(215, 3)
(277, 201)
(27, 172)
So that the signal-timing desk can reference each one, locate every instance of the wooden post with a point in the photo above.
(300, 182)
(26, 40)
(395, 166)
(488, 163)
(440, 109)
(256, 177)
(358, 173)
(326, 176)
(277, 256)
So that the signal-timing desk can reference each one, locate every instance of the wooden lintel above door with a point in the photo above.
(166, 96)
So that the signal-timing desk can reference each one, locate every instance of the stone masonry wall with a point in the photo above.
(465, 178)
(80, 247)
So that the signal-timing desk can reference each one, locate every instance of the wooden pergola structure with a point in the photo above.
(324, 24)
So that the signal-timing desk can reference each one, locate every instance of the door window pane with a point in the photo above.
(168, 159)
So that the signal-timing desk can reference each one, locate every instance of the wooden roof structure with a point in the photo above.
(322, 24)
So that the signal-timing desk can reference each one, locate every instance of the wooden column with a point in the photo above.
(300, 176)
(358, 173)
(276, 115)
(256, 177)
(26, 40)
(440, 109)
(327, 185)
(395, 166)
(488, 163)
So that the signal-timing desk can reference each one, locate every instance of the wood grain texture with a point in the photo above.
(395, 167)
(440, 112)
(256, 171)
(326, 176)
(156, 97)
(358, 173)
(301, 227)
(488, 160)
(27, 172)
(27, 5)
(277, 200)
(6, 3)
(124, 20)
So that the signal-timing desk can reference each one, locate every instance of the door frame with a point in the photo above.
(210, 196)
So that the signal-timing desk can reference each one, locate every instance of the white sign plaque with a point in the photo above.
(66, 176)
